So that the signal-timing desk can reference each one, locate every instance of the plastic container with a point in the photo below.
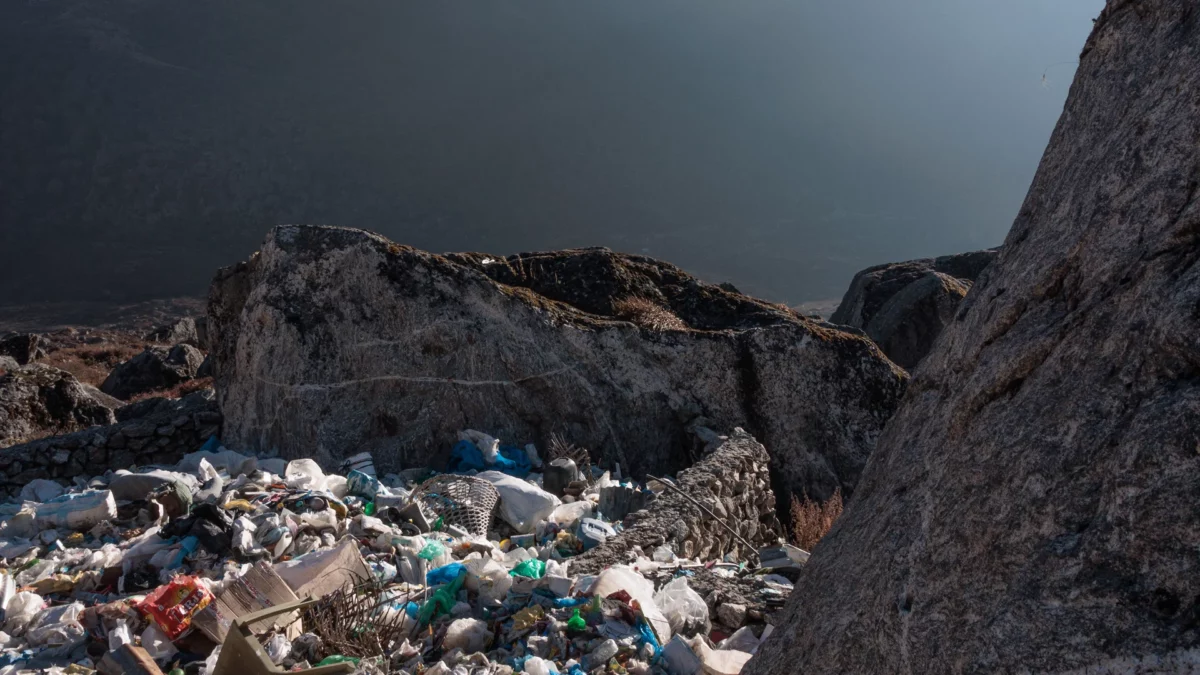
(558, 475)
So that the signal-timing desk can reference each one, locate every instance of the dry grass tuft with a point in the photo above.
(811, 520)
(178, 391)
(647, 314)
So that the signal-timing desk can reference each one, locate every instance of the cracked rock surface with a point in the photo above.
(1032, 506)
(331, 341)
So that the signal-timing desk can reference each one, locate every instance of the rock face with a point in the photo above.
(38, 400)
(183, 331)
(332, 341)
(24, 348)
(154, 369)
(163, 431)
(1032, 507)
(904, 306)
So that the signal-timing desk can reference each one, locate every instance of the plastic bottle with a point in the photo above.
(576, 624)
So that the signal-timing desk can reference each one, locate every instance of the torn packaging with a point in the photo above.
(260, 588)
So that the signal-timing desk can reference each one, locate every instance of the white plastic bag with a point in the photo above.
(157, 644)
(522, 504)
(22, 609)
(566, 515)
(57, 626)
(684, 608)
(625, 578)
(210, 664)
(743, 640)
(470, 635)
(488, 578)
(304, 474)
(278, 648)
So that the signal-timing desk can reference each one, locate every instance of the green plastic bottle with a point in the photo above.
(576, 624)
(337, 658)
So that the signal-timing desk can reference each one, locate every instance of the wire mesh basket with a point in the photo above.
(462, 501)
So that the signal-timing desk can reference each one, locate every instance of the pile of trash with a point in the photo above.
(229, 563)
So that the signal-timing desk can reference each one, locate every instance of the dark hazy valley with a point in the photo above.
(143, 144)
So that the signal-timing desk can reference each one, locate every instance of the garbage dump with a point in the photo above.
(230, 563)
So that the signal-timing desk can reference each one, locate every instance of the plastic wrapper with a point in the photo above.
(172, 606)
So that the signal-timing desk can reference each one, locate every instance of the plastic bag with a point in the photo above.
(57, 626)
(743, 640)
(567, 515)
(685, 610)
(119, 635)
(470, 635)
(278, 648)
(304, 474)
(157, 644)
(362, 485)
(444, 574)
(210, 664)
(432, 550)
(21, 610)
(522, 504)
(488, 578)
(532, 568)
(625, 578)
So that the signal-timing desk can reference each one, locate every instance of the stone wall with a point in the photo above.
(732, 480)
(161, 433)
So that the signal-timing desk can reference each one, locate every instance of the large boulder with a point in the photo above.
(1034, 505)
(24, 348)
(331, 341)
(904, 306)
(183, 331)
(155, 369)
(38, 400)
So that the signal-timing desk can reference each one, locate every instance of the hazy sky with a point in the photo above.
(779, 144)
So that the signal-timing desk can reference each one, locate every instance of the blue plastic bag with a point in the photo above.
(444, 574)
(465, 457)
(513, 461)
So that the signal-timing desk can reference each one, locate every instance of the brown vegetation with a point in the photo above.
(812, 519)
(178, 391)
(92, 363)
(647, 313)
